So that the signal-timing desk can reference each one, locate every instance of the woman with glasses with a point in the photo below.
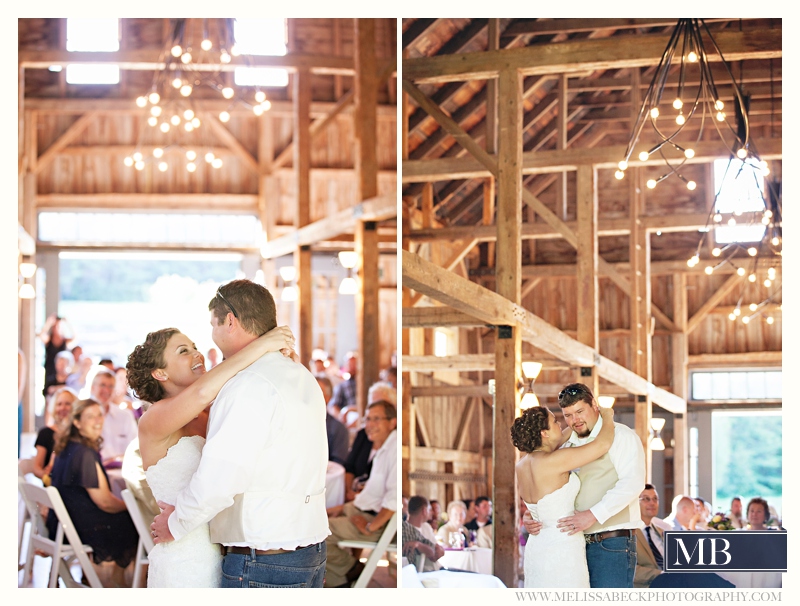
(548, 486)
(168, 371)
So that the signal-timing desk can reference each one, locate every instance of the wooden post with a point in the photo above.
(508, 348)
(680, 384)
(562, 126)
(267, 183)
(366, 87)
(408, 434)
(587, 287)
(302, 165)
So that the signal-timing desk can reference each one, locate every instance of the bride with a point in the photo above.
(549, 487)
(168, 371)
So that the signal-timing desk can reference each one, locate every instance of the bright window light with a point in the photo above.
(87, 73)
(741, 190)
(93, 35)
(260, 37)
(441, 342)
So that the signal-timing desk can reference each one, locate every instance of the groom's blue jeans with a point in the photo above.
(300, 568)
(612, 562)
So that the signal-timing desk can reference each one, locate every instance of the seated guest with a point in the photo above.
(436, 515)
(453, 533)
(60, 408)
(471, 513)
(418, 537)
(80, 370)
(735, 514)
(359, 460)
(365, 517)
(649, 541)
(757, 514)
(484, 538)
(100, 518)
(702, 514)
(389, 375)
(483, 514)
(63, 365)
(119, 425)
(338, 437)
(683, 510)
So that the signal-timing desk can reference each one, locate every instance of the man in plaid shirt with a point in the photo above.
(414, 541)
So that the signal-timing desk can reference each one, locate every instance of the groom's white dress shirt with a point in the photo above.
(261, 478)
(627, 456)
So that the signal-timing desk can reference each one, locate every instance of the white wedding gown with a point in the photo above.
(193, 561)
(554, 558)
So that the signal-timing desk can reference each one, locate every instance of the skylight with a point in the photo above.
(92, 35)
(260, 37)
(740, 186)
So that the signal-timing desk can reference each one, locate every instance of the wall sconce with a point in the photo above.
(530, 371)
(348, 260)
(606, 401)
(656, 425)
(26, 271)
(288, 274)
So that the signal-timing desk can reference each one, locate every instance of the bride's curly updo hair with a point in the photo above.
(526, 432)
(144, 359)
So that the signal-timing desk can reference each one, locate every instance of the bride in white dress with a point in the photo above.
(549, 487)
(168, 371)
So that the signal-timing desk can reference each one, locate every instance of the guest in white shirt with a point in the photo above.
(365, 516)
(683, 509)
(649, 542)
(736, 513)
(119, 425)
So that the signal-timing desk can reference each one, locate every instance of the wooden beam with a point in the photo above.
(432, 317)
(150, 60)
(712, 302)
(553, 161)
(231, 142)
(69, 135)
(438, 391)
(446, 455)
(235, 203)
(279, 108)
(464, 424)
(521, 27)
(344, 221)
(485, 305)
(584, 55)
(469, 362)
(751, 358)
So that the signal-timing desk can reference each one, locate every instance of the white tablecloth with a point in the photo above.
(446, 579)
(334, 484)
(753, 579)
(474, 559)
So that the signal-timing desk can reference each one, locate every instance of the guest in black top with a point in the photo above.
(100, 518)
(358, 465)
(60, 409)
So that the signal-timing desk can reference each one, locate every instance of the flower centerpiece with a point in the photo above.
(719, 521)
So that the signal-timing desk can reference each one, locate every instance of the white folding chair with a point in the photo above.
(383, 545)
(136, 509)
(25, 466)
(62, 555)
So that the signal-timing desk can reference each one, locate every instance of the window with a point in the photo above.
(260, 37)
(92, 35)
(747, 457)
(739, 385)
(441, 342)
(741, 189)
(222, 230)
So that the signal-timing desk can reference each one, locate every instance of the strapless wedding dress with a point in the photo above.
(554, 558)
(193, 561)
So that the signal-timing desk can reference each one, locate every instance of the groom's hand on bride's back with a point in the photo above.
(532, 526)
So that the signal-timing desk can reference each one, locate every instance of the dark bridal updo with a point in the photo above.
(526, 432)
(144, 359)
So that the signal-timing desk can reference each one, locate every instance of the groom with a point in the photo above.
(261, 480)
(607, 506)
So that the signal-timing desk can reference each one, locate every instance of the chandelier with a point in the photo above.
(193, 60)
(683, 92)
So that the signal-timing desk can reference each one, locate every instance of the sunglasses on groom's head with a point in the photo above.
(571, 391)
(228, 303)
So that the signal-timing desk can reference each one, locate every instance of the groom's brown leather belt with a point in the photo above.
(608, 534)
(258, 552)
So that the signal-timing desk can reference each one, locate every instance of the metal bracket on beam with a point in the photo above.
(586, 371)
(641, 398)
(504, 332)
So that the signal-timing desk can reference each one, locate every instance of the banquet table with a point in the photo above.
(447, 579)
(474, 559)
(334, 484)
(753, 579)
(116, 480)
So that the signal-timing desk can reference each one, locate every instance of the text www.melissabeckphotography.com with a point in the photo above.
(649, 596)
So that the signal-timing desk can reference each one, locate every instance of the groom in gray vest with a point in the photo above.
(607, 506)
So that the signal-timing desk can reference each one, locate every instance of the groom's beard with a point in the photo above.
(583, 433)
